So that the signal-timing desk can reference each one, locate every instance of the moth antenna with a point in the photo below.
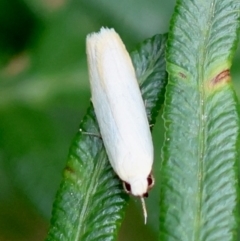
(144, 209)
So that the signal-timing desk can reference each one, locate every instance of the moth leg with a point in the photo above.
(90, 134)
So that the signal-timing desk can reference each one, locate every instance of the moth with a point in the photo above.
(120, 112)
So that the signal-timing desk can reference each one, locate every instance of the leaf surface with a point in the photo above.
(90, 203)
(199, 188)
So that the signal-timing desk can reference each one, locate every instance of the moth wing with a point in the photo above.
(119, 108)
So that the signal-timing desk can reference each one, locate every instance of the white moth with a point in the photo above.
(120, 112)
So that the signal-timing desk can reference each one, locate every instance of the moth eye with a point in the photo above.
(127, 187)
(145, 194)
(150, 181)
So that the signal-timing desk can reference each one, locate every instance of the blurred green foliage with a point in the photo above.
(44, 93)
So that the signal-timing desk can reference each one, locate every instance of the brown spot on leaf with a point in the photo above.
(182, 75)
(69, 170)
(224, 76)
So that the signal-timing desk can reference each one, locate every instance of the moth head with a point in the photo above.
(140, 186)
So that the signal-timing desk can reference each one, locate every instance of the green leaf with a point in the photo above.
(90, 203)
(149, 63)
(199, 187)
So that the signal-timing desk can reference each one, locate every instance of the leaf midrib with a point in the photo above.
(90, 191)
(202, 123)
